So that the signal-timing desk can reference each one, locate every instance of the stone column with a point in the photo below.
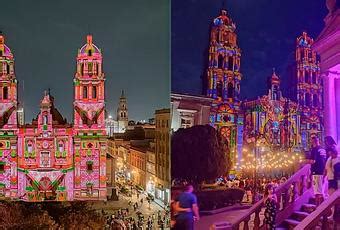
(330, 105)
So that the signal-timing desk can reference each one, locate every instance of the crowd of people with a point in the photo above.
(132, 217)
(325, 177)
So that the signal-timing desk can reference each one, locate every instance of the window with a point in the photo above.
(89, 67)
(7, 67)
(61, 146)
(220, 61)
(306, 77)
(5, 92)
(29, 147)
(307, 96)
(89, 166)
(230, 63)
(96, 68)
(45, 120)
(94, 92)
(82, 68)
(315, 100)
(219, 89)
(44, 159)
(230, 90)
(2, 167)
(84, 92)
(275, 93)
(314, 77)
(90, 52)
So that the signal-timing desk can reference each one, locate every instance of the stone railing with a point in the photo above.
(291, 195)
(321, 214)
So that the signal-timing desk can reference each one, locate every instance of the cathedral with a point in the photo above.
(50, 159)
(279, 123)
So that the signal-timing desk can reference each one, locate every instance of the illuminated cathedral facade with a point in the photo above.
(51, 159)
(280, 123)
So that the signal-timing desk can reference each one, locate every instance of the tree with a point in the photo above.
(198, 154)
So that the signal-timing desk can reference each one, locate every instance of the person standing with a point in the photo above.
(270, 202)
(318, 161)
(186, 200)
(329, 170)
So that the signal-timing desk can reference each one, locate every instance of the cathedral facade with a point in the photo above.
(51, 159)
(281, 124)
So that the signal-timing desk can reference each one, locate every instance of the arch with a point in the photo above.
(230, 63)
(7, 68)
(45, 119)
(219, 89)
(90, 67)
(5, 92)
(220, 63)
(230, 90)
(90, 52)
(121, 114)
(84, 92)
(94, 92)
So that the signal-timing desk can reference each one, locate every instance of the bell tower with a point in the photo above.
(89, 123)
(8, 122)
(309, 89)
(223, 83)
(8, 88)
(122, 113)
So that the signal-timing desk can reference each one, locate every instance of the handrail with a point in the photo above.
(322, 211)
(297, 183)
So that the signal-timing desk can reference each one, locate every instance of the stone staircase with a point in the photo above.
(298, 216)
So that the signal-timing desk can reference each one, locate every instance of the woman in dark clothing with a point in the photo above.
(270, 202)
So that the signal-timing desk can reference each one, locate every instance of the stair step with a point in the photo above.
(308, 208)
(292, 222)
(299, 215)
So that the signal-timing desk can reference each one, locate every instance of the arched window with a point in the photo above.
(45, 120)
(315, 100)
(89, 67)
(90, 52)
(314, 77)
(301, 54)
(219, 89)
(96, 68)
(121, 114)
(7, 67)
(230, 63)
(82, 68)
(5, 92)
(61, 146)
(84, 91)
(230, 90)
(94, 92)
(220, 61)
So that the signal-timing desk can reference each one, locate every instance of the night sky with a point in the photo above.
(45, 35)
(266, 29)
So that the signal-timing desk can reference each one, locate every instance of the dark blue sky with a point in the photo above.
(45, 35)
(266, 29)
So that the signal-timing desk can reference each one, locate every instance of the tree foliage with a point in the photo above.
(198, 154)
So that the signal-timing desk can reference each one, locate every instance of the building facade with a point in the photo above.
(223, 82)
(189, 110)
(50, 159)
(162, 152)
(272, 119)
(309, 94)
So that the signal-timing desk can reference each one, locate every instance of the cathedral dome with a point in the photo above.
(89, 48)
(223, 19)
